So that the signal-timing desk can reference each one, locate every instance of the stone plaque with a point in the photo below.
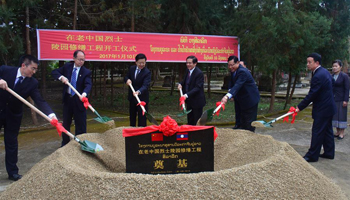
(183, 152)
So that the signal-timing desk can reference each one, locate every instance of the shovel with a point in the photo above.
(207, 116)
(85, 145)
(184, 111)
(148, 116)
(268, 124)
(104, 119)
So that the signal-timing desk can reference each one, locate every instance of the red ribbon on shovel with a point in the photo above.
(182, 101)
(86, 102)
(142, 103)
(59, 127)
(291, 110)
(222, 106)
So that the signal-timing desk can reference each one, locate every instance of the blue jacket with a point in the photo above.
(321, 94)
(83, 84)
(141, 83)
(10, 106)
(244, 89)
(341, 88)
(195, 93)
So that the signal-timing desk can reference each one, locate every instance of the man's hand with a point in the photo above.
(64, 80)
(345, 103)
(297, 109)
(136, 93)
(52, 116)
(224, 99)
(128, 82)
(179, 86)
(82, 96)
(3, 84)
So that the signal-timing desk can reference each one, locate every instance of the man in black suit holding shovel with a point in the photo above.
(193, 89)
(20, 80)
(140, 77)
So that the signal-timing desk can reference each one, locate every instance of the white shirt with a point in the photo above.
(19, 75)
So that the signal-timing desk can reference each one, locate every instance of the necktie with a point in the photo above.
(137, 73)
(18, 82)
(73, 81)
(188, 80)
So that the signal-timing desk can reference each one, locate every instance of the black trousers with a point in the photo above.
(11, 130)
(322, 135)
(70, 111)
(134, 111)
(194, 115)
(247, 117)
(237, 114)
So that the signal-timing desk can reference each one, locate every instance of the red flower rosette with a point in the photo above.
(222, 106)
(291, 110)
(182, 101)
(142, 103)
(59, 127)
(169, 126)
(86, 102)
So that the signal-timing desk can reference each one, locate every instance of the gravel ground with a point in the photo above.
(247, 166)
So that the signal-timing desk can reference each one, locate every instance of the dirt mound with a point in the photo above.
(247, 166)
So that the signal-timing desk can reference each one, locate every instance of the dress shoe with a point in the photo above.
(307, 159)
(325, 156)
(15, 177)
(236, 127)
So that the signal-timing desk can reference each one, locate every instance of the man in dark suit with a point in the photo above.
(193, 89)
(80, 77)
(323, 109)
(21, 81)
(140, 77)
(244, 91)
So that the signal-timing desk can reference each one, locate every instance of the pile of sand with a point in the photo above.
(247, 166)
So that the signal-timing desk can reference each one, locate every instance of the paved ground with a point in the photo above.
(37, 145)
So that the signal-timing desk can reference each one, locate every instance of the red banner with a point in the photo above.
(124, 46)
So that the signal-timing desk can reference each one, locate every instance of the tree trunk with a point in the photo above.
(273, 88)
(43, 78)
(209, 70)
(75, 14)
(132, 17)
(293, 88)
(33, 113)
(288, 88)
(173, 79)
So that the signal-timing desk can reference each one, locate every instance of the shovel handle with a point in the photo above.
(137, 98)
(79, 95)
(285, 115)
(181, 94)
(35, 109)
(217, 108)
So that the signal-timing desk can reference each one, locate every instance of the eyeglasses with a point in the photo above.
(141, 63)
(34, 69)
(80, 59)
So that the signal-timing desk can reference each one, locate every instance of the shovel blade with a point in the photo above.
(262, 124)
(151, 119)
(207, 116)
(91, 147)
(103, 119)
(184, 112)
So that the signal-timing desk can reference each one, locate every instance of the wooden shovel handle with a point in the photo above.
(79, 95)
(34, 108)
(181, 94)
(137, 98)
